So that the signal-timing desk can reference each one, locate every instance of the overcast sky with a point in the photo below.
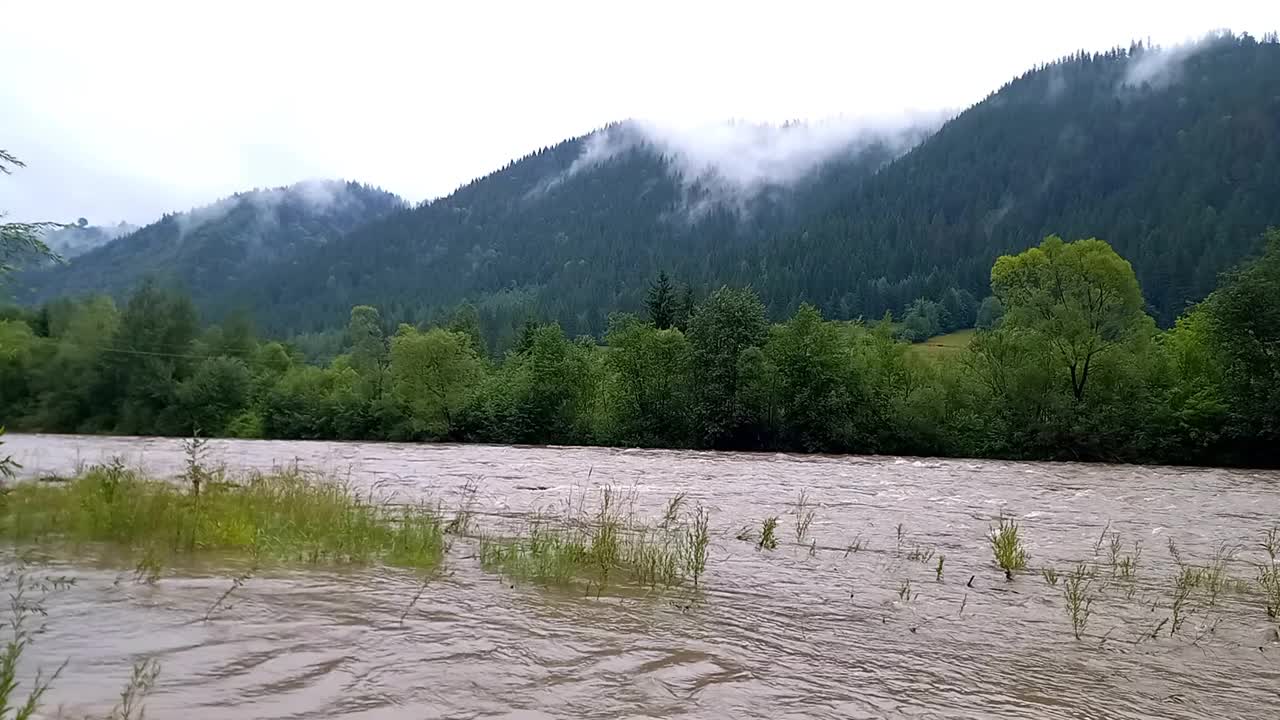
(125, 110)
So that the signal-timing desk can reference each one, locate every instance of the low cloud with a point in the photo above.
(1160, 67)
(315, 195)
(732, 163)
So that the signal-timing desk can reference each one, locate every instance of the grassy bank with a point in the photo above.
(286, 517)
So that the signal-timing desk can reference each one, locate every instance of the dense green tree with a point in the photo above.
(661, 302)
(1243, 320)
(218, 390)
(811, 387)
(149, 355)
(542, 394)
(79, 333)
(1079, 298)
(649, 383)
(921, 321)
(990, 313)
(433, 374)
(466, 320)
(367, 342)
(725, 325)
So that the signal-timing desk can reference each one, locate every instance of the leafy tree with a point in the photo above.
(433, 374)
(813, 386)
(541, 395)
(990, 313)
(649, 383)
(218, 390)
(922, 320)
(466, 320)
(78, 333)
(729, 322)
(1197, 403)
(1080, 298)
(148, 357)
(1243, 320)
(368, 345)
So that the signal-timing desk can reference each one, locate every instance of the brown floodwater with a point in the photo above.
(811, 629)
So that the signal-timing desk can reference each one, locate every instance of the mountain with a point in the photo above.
(573, 232)
(74, 240)
(1172, 156)
(211, 251)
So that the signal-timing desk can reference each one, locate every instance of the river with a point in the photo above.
(811, 629)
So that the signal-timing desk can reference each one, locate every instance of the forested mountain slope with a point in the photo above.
(571, 232)
(1173, 157)
(211, 251)
(1170, 155)
(78, 239)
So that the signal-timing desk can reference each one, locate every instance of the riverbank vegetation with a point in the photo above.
(282, 517)
(1067, 364)
(603, 548)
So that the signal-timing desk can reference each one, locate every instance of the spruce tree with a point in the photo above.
(661, 302)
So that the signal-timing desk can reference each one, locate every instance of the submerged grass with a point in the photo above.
(768, 534)
(805, 514)
(1079, 596)
(286, 517)
(1006, 545)
(604, 548)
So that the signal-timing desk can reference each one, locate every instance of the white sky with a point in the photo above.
(124, 110)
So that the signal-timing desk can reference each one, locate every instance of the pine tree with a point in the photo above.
(661, 302)
(684, 309)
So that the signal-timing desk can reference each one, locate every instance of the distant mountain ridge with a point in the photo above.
(73, 240)
(1172, 156)
(209, 251)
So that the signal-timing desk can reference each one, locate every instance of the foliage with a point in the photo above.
(1007, 546)
(1243, 334)
(433, 374)
(728, 324)
(1080, 298)
(1178, 176)
(286, 517)
(601, 548)
(660, 303)
(808, 384)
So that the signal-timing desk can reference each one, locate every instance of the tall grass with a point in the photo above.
(1269, 582)
(285, 517)
(768, 534)
(1079, 596)
(604, 547)
(804, 514)
(1006, 545)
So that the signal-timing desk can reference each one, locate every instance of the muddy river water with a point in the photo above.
(812, 629)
